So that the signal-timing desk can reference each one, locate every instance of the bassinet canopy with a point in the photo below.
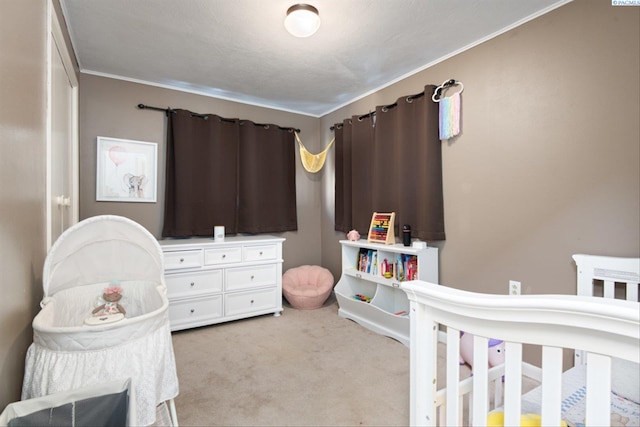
(101, 249)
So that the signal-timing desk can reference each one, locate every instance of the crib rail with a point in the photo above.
(618, 278)
(610, 271)
(553, 322)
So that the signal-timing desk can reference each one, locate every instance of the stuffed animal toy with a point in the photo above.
(353, 235)
(496, 351)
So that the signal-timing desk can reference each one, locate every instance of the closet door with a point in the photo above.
(62, 153)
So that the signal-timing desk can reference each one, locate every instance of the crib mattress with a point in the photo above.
(623, 409)
(67, 354)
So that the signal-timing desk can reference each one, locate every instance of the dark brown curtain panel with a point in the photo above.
(353, 180)
(408, 165)
(228, 172)
(391, 164)
(201, 174)
(342, 156)
(267, 179)
(362, 133)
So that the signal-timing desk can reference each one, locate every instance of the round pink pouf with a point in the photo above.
(307, 287)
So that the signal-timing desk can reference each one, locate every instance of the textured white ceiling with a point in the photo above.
(239, 49)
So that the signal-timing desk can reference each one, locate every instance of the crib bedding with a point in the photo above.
(623, 407)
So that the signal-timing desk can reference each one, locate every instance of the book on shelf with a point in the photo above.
(404, 267)
(374, 263)
(400, 267)
(367, 260)
(411, 267)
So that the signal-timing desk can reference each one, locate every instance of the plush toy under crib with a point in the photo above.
(111, 310)
(496, 351)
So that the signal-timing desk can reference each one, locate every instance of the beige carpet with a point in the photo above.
(306, 367)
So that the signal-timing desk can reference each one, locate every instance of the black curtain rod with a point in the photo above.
(385, 108)
(437, 93)
(206, 116)
(147, 107)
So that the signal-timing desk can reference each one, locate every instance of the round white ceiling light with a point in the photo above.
(302, 20)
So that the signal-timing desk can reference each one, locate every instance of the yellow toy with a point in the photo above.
(496, 419)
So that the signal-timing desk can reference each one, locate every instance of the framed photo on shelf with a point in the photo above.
(126, 170)
(381, 228)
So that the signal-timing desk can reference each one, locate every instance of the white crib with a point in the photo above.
(604, 332)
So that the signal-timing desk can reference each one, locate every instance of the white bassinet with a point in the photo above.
(66, 354)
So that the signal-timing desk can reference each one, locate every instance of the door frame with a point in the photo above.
(56, 42)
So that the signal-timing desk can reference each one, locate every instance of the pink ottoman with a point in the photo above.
(307, 287)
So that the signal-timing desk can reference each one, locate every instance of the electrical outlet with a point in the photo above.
(514, 287)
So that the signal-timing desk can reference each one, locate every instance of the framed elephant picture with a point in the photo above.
(126, 170)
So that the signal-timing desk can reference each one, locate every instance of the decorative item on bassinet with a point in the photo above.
(111, 310)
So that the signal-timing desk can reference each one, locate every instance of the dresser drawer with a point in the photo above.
(193, 312)
(191, 284)
(222, 255)
(259, 253)
(249, 302)
(174, 260)
(250, 277)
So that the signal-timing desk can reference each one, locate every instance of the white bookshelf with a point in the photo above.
(383, 307)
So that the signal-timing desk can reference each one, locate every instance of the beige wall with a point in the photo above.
(548, 161)
(22, 172)
(108, 107)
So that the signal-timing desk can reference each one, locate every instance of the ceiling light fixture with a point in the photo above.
(302, 20)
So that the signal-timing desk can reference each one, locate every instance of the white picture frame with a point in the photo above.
(126, 170)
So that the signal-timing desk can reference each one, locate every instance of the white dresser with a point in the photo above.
(211, 282)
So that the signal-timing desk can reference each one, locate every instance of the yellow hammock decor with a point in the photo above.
(313, 162)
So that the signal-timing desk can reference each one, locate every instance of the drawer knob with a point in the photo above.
(181, 259)
(193, 284)
(260, 253)
(251, 301)
(224, 256)
(193, 310)
(252, 276)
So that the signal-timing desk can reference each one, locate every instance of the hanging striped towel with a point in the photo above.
(450, 116)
